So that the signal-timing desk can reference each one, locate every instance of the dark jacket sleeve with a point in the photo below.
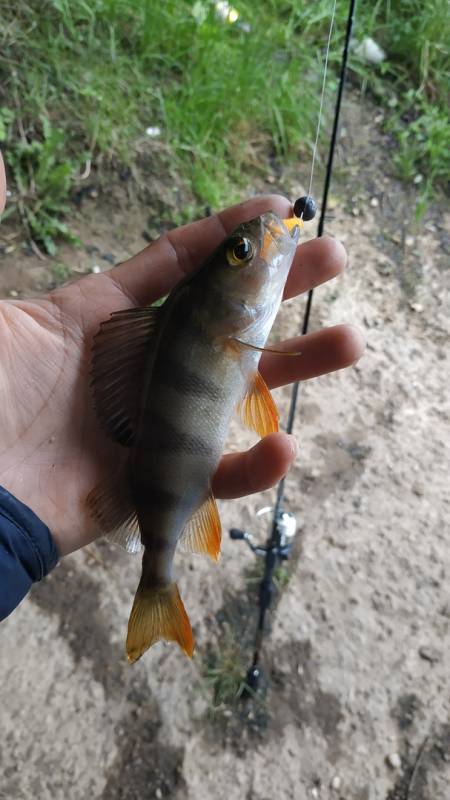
(27, 551)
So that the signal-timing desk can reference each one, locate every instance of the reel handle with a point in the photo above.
(236, 534)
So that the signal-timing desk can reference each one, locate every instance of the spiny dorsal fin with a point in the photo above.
(257, 409)
(121, 350)
(203, 533)
(111, 506)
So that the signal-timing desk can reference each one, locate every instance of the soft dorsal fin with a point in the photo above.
(111, 506)
(257, 409)
(203, 533)
(121, 350)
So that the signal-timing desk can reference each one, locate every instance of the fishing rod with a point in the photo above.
(284, 525)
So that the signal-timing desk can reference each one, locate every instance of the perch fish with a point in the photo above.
(166, 382)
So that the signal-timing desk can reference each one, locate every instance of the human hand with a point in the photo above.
(53, 451)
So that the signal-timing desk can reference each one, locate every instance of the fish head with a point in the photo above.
(248, 272)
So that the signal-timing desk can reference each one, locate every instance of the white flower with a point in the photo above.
(226, 12)
(368, 50)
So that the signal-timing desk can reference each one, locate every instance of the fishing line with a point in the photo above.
(305, 324)
(322, 97)
(279, 544)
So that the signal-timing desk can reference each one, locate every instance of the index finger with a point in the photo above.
(154, 271)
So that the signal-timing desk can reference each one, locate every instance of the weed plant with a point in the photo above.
(225, 670)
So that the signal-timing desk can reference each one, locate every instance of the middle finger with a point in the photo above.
(320, 352)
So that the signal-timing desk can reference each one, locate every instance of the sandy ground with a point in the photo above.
(357, 705)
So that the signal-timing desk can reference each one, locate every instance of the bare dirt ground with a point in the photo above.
(357, 705)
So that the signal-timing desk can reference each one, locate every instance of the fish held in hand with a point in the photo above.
(166, 382)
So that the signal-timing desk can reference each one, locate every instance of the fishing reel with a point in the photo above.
(281, 539)
(277, 548)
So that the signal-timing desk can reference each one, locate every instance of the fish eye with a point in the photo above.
(239, 251)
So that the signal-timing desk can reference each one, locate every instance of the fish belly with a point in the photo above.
(189, 402)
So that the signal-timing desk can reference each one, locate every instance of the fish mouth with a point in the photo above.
(279, 233)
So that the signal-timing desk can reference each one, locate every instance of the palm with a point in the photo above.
(53, 450)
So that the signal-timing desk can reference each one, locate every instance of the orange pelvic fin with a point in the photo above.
(158, 614)
(203, 533)
(258, 410)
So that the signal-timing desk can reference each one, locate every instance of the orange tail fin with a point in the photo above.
(158, 614)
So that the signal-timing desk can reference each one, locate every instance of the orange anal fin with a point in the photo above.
(203, 533)
(158, 614)
(258, 410)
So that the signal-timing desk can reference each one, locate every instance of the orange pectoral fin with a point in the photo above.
(203, 533)
(258, 410)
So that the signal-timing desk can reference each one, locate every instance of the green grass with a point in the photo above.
(81, 81)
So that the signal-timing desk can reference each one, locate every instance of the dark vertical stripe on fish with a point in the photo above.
(161, 435)
(159, 543)
(177, 376)
(155, 498)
